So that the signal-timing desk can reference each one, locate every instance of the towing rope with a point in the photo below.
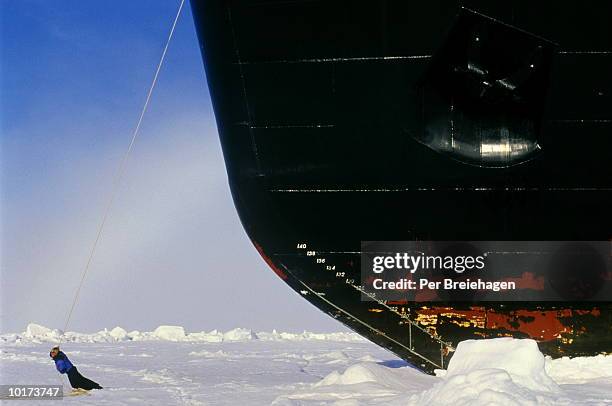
(120, 172)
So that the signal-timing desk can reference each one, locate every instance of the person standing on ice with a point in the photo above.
(64, 366)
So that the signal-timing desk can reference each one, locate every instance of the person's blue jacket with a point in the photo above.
(62, 363)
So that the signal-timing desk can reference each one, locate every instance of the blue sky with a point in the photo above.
(73, 80)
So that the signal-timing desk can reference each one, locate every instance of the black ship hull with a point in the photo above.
(346, 121)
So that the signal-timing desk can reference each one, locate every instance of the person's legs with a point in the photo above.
(79, 381)
(89, 384)
(73, 377)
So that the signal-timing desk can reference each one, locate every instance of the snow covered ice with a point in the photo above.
(170, 366)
